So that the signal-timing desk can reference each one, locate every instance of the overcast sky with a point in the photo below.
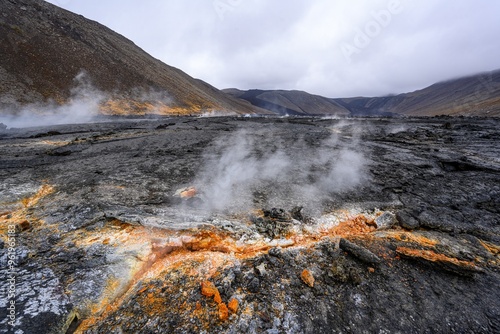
(335, 48)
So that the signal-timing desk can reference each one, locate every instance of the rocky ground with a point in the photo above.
(252, 225)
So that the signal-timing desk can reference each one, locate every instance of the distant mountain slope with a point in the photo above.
(284, 102)
(477, 95)
(43, 48)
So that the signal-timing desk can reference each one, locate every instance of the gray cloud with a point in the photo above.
(301, 44)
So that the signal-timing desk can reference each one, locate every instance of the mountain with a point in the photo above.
(477, 95)
(294, 102)
(48, 54)
(43, 48)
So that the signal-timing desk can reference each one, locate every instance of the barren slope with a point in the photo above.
(477, 95)
(43, 48)
(284, 102)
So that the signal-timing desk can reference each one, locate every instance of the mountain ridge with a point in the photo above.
(47, 51)
(44, 48)
(473, 95)
(293, 103)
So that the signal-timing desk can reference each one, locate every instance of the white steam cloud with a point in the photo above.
(346, 171)
(81, 107)
(235, 168)
(158, 99)
(251, 170)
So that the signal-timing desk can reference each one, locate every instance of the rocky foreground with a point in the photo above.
(252, 225)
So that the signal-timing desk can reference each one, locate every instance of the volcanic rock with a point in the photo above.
(406, 220)
(307, 277)
(385, 221)
(360, 252)
(108, 250)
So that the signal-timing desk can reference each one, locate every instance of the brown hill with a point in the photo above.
(48, 53)
(294, 102)
(43, 48)
(477, 95)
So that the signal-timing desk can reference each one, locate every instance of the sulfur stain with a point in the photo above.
(359, 224)
(20, 216)
(233, 305)
(208, 289)
(131, 106)
(493, 249)
(307, 277)
(412, 237)
(432, 256)
(44, 191)
(223, 312)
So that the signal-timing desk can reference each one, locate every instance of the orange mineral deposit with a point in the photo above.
(189, 192)
(208, 289)
(223, 312)
(307, 277)
(233, 305)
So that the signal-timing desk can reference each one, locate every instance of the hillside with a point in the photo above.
(50, 55)
(44, 48)
(284, 102)
(477, 95)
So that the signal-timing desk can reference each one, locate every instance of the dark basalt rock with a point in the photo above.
(278, 214)
(359, 252)
(253, 284)
(46, 134)
(406, 220)
(273, 228)
(386, 221)
(101, 237)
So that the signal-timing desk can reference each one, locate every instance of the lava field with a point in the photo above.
(252, 225)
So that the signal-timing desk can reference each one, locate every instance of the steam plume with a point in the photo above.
(242, 166)
(82, 106)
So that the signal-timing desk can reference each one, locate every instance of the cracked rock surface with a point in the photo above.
(290, 225)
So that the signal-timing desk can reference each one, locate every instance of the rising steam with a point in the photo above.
(234, 168)
(247, 170)
(81, 107)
